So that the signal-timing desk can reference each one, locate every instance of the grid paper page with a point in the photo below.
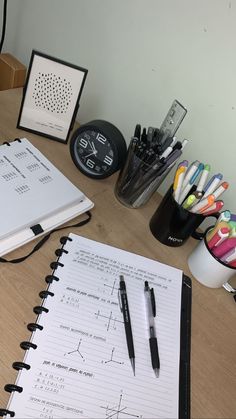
(81, 366)
(31, 186)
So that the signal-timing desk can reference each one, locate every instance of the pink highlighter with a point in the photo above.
(224, 247)
(219, 237)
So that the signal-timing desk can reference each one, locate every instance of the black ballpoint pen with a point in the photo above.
(127, 321)
(151, 313)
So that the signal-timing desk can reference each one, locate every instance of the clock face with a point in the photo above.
(94, 153)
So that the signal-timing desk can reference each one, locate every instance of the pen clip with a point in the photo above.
(152, 297)
(119, 300)
(153, 302)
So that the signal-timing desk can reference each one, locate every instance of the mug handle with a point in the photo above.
(197, 234)
(229, 287)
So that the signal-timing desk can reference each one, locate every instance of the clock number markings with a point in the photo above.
(83, 142)
(95, 151)
(97, 148)
(101, 139)
(108, 160)
(90, 163)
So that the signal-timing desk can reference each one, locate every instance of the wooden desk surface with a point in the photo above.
(213, 356)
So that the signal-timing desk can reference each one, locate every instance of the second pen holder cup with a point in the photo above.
(138, 180)
(207, 268)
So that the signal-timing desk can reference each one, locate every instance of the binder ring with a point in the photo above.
(64, 239)
(54, 265)
(45, 293)
(50, 278)
(33, 326)
(5, 412)
(20, 366)
(13, 387)
(27, 345)
(40, 309)
(59, 252)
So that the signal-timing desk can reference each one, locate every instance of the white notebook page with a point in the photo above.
(32, 187)
(81, 366)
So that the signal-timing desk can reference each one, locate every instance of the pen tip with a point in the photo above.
(156, 371)
(133, 364)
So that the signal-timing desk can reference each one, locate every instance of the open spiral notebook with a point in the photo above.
(76, 364)
(37, 196)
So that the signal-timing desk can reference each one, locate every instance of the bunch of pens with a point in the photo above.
(194, 192)
(221, 239)
(151, 155)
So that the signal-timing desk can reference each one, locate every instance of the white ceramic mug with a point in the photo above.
(207, 268)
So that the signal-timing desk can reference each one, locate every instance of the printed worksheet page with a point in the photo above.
(31, 187)
(81, 367)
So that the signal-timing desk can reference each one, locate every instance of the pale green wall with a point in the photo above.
(142, 54)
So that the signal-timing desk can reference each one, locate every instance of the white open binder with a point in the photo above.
(76, 363)
(36, 196)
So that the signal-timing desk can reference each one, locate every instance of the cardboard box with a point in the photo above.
(12, 72)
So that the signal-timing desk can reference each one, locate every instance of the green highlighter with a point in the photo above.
(192, 199)
(189, 201)
(232, 224)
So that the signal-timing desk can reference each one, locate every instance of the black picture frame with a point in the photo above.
(51, 96)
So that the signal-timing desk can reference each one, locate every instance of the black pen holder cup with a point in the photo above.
(137, 181)
(172, 225)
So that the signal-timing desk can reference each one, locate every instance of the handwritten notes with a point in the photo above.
(81, 366)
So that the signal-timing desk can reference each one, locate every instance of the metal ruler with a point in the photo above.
(172, 120)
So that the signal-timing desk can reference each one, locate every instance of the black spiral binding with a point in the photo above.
(18, 366)
(9, 143)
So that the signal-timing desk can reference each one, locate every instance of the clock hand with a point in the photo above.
(93, 147)
(90, 154)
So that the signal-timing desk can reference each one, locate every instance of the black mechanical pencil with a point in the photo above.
(127, 321)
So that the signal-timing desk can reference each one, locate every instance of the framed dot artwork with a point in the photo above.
(51, 96)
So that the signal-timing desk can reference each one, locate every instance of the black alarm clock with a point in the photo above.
(98, 149)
